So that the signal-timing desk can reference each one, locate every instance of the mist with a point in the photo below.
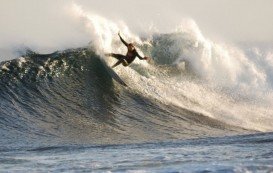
(46, 26)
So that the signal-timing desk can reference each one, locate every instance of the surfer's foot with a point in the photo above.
(108, 54)
(125, 63)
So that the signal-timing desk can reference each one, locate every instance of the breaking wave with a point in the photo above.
(193, 88)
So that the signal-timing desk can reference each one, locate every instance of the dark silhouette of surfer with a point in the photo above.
(129, 57)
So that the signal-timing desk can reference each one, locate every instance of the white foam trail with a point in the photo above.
(198, 98)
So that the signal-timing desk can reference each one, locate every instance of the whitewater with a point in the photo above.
(198, 106)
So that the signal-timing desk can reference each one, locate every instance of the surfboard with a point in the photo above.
(113, 74)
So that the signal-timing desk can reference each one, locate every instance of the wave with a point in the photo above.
(69, 96)
(194, 88)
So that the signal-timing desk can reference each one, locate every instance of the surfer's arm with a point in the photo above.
(140, 57)
(123, 41)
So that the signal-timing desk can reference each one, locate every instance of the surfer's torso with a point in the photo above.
(131, 55)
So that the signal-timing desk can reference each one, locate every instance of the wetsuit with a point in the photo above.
(128, 59)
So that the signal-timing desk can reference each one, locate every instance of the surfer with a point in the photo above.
(129, 57)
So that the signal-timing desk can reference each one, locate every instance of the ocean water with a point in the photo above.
(248, 153)
(197, 106)
(62, 112)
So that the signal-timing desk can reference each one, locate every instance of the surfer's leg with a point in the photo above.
(117, 56)
(120, 58)
(117, 63)
(125, 63)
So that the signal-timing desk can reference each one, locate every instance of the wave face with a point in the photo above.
(69, 97)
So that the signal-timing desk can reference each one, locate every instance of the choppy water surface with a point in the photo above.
(250, 153)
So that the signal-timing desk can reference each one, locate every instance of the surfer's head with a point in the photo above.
(131, 47)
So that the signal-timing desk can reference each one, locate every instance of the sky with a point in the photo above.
(238, 20)
(47, 25)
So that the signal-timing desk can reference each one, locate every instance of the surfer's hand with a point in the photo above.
(146, 58)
